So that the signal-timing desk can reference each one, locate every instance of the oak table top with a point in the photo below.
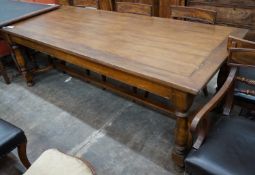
(179, 54)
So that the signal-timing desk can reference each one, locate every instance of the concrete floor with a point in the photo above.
(117, 136)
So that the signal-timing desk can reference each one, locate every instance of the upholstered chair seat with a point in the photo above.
(228, 149)
(54, 162)
(12, 137)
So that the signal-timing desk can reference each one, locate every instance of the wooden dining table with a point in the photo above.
(170, 58)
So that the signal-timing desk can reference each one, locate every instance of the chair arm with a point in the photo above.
(202, 114)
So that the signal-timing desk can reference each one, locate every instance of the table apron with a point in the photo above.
(125, 77)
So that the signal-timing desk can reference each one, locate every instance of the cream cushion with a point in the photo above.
(53, 162)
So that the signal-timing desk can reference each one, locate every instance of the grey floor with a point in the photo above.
(117, 136)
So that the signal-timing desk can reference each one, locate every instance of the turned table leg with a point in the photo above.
(183, 138)
(22, 65)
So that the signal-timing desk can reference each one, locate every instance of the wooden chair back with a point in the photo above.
(234, 42)
(193, 14)
(134, 8)
(86, 3)
(242, 55)
(241, 52)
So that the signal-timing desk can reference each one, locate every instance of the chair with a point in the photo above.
(193, 14)
(242, 54)
(134, 8)
(86, 3)
(12, 137)
(228, 147)
(4, 51)
(53, 162)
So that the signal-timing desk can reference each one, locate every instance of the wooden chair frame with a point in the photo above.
(234, 42)
(86, 4)
(22, 153)
(239, 62)
(241, 54)
(134, 8)
(199, 125)
(193, 14)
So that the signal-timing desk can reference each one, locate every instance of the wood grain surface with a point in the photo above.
(134, 8)
(178, 54)
(193, 14)
(230, 12)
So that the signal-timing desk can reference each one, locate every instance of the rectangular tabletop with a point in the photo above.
(13, 11)
(178, 54)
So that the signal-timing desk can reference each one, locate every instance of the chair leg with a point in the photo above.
(22, 152)
(50, 60)
(146, 94)
(103, 77)
(88, 72)
(134, 89)
(64, 64)
(4, 74)
(205, 91)
(32, 58)
(15, 62)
